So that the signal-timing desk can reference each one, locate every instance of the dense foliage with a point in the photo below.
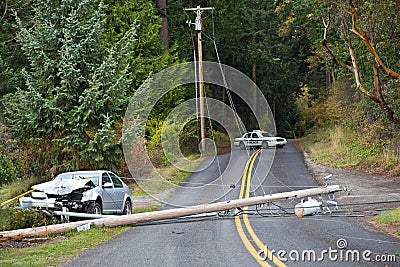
(83, 61)
(358, 115)
(256, 38)
(68, 68)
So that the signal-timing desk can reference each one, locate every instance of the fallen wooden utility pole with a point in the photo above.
(167, 214)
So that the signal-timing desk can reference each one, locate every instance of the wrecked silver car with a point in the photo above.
(97, 192)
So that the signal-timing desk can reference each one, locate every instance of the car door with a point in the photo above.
(255, 140)
(108, 193)
(247, 139)
(119, 191)
(251, 139)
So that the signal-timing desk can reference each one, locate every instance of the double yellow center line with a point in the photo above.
(246, 179)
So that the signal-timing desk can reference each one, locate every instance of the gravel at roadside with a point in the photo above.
(365, 188)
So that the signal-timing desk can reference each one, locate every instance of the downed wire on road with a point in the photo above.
(167, 214)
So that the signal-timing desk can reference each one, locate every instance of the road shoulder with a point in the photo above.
(365, 188)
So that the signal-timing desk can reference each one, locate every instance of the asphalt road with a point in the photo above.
(217, 241)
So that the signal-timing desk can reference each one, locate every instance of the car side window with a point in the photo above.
(254, 135)
(247, 135)
(105, 179)
(117, 182)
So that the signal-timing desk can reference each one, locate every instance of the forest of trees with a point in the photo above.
(69, 67)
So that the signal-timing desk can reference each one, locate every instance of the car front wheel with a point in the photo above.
(264, 144)
(127, 208)
(95, 208)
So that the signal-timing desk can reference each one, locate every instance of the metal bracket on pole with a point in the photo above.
(198, 8)
(190, 23)
(198, 23)
(328, 179)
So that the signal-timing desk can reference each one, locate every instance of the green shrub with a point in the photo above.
(221, 139)
(9, 170)
(28, 218)
(5, 213)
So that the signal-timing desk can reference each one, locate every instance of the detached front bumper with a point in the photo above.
(29, 202)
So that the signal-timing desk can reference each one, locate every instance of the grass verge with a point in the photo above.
(13, 189)
(169, 173)
(58, 249)
(152, 207)
(389, 218)
(344, 147)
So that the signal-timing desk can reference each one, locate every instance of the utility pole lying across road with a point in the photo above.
(167, 214)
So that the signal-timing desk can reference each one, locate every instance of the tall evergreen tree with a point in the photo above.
(76, 88)
(12, 59)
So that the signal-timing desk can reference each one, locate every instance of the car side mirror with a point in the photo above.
(107, 185)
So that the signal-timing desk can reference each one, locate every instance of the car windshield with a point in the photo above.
(84, 175)
(267, 134)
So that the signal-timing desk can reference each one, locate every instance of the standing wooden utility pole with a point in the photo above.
(199, 28)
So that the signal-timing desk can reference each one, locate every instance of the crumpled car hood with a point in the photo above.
(63, 186)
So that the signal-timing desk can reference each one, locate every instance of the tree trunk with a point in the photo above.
(162, 6)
